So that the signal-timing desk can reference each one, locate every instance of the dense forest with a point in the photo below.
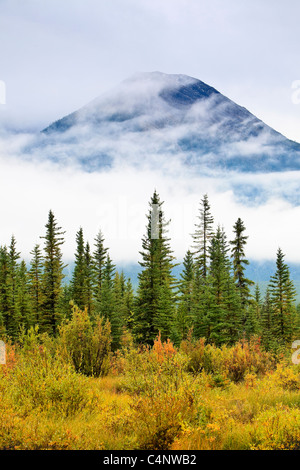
(212, 298)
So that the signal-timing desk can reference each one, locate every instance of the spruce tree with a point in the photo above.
(23, 298)
(53, 274)
(88, 279)
(4, 286)
(12, 314)
(226, 310)
(184, 317)
(78, 278)
(202, 236)
(240, 262)
(283, 295)
(35, 275)
(155, 300)
(98, 262)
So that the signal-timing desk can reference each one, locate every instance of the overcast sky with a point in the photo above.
(58, 55)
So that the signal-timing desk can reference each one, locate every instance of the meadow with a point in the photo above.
(192, 397)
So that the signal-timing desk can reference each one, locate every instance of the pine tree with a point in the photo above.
(283, 295)
(53, 274)
(109, 302)
(226, 311)
(88, 280)
(78, 278)
(4, 295)
(184, 317)
(35, 275)
(240, 262)
(155, 301)
(23, 299)
(202, 236)
(252, 325)
(99, 260)
(267, 322)
(12, 314)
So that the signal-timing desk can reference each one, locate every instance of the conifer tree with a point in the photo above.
(282, 292)
(155, 300)
(267, 322)
(53, 274)
(35, 275)
(88, 279)
(4, 286)
(253, 318)
(240, 262)
(226, 311)
(23, 299)
(202, 236)
(78, 278)
(184, 317)
(99, 260)
(12, 314)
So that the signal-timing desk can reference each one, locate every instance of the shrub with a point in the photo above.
(85, 344)
(41, 379)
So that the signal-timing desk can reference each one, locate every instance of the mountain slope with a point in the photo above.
(164, 119)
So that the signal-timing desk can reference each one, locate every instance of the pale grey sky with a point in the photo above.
(55, 56)
(58, 55)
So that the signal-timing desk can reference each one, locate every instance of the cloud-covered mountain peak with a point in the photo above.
(165, 119)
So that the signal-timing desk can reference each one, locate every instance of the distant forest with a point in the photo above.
(211, 298)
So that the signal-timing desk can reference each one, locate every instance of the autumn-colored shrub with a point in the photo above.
(232, 362)
(287, 377)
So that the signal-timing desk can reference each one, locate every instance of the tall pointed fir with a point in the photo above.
(225, 316)
(35, 275)
(12, 314)
(98, 263)
(88, 279)
(23, 298)
(240, 262)
(53, 274)
(155, 300)
(283, 294)
(4, 288)
(78, 277)
(202, 236)
(184, 316)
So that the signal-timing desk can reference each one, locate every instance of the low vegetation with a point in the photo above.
(55, 395)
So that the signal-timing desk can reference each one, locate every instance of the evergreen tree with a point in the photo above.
(282, 294)
(53, 274)
(109, 302)
(88, 279)
(23, 299)
(12, 314)
(99, 260)
(35, 275)
(184, 318)
(4, 295)
(267, 322)
(227, 308)
(129, 305)
(240, 262)
(202, 236)
(79, 272)
(252, 324)
(155, 299)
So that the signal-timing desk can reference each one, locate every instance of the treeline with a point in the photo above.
(211, 299)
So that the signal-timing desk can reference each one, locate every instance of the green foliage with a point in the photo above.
(52, 274)
(87, 345)
(155, 300)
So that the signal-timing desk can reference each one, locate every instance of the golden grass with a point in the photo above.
(154, 403)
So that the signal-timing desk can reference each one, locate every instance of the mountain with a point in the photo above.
(165, 119)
